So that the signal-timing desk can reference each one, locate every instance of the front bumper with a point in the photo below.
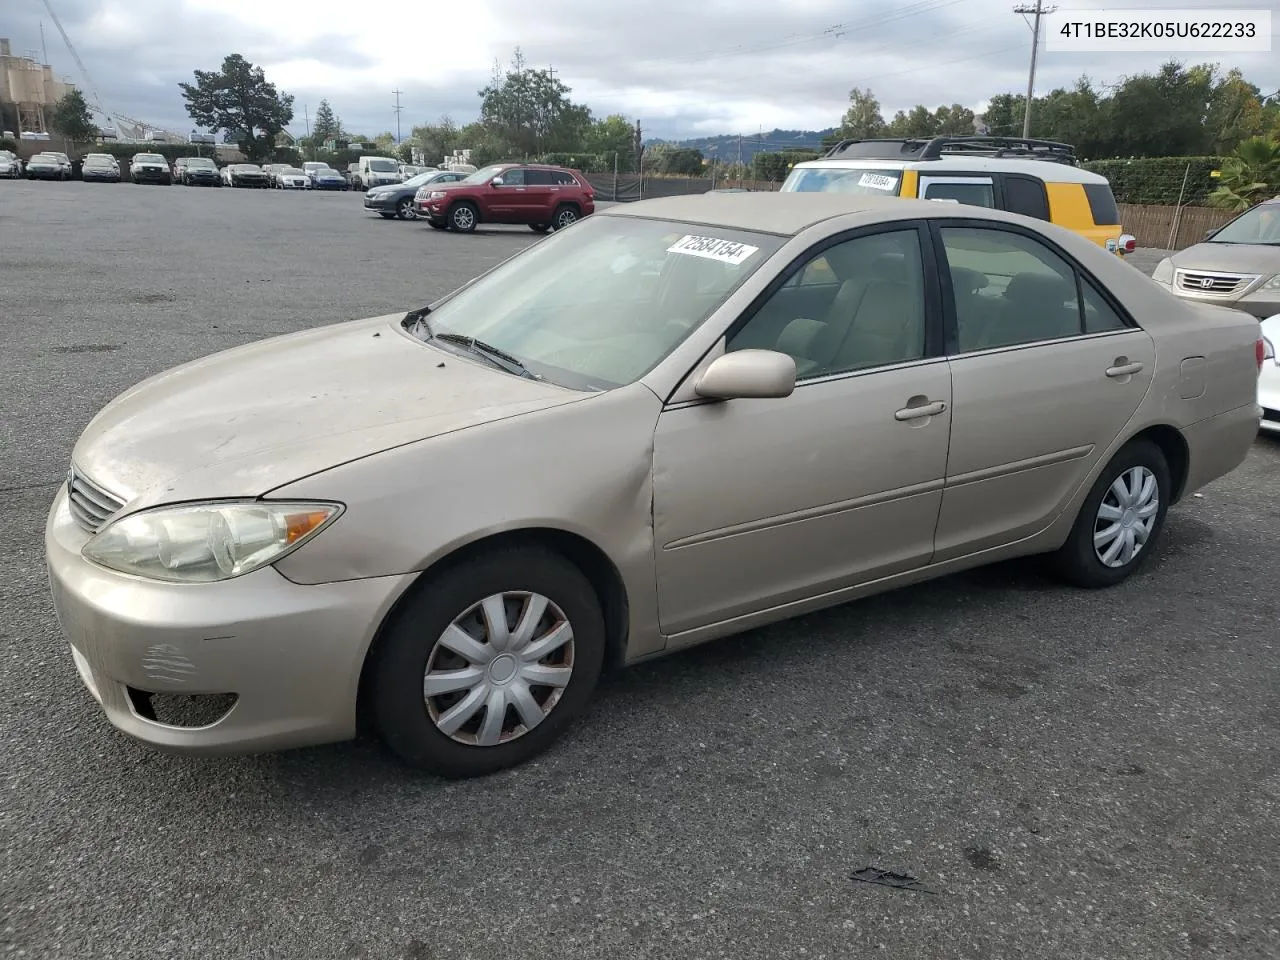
(1263, 306)
(202, 179)
(330, 185)
(291, 654)
(104, 177)
(45, 173)
(250, 182)
(294, 185)
(381, 204)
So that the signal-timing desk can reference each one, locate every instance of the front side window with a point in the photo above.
(871, 313)
(1011, 289)
(876, 181)
(513, 178)
(600, 305)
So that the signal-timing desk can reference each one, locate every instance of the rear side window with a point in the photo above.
(1027, 196)
(1102, 204)
(537, 178)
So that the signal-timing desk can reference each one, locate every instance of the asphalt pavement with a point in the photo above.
(1067, 773)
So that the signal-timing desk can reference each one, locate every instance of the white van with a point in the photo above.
(376, 172)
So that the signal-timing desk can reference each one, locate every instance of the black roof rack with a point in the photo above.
(934, 148)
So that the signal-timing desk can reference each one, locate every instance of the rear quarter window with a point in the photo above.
(1102, 204)
(1027, 196)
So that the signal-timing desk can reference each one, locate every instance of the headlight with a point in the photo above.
(436, 195)
(1272, 284)
(1163, 272)
(201, 543)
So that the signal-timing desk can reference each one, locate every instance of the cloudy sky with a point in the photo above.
(719, 66)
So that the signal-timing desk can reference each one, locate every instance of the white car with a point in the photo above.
(291, 178)
(1269, 376)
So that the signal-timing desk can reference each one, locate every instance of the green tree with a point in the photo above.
(530, 110)
(1250, 174)
(485, 144)
(325, 126)
(956, 120)
(437, 140)
(614, 135)
(239, 100)
(1162, 114)
(72, 117)
(385, 142)
(1235, 113)
(863, 120)
(919, 122)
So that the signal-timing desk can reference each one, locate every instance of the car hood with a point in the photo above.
(1230, 257)
(247, 420)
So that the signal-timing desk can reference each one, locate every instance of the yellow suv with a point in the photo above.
(1036, 178)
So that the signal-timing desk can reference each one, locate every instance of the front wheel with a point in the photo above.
(539, 227)
(463, 217)
(404, 209)
(1120, 520)
(437, 226)
(386, 216)
(487, 667)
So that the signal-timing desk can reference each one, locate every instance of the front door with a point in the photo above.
(759, 503)
(1046, 371)
(508, 197)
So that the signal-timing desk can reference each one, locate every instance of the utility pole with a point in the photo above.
(551, 73)
(306, 118)
(398, 108)
(43, 48)
(1038, 10)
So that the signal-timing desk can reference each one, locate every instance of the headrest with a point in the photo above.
(1039, 288)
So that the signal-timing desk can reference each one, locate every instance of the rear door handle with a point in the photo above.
(915, 413)
(1124, 370)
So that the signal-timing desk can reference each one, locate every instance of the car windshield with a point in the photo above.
(383, 166)
(149, 158)
(422, 178)
(97, 161)
(599, 305)
(200, 162)
(247, 168)
(873, 180)
(485, 174)
(1259, 225)
(292, 171)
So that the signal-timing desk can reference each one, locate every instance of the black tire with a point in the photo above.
(1076, 560)
(400, 662)
(386, 216)
(463, 217)
(539, 227)
(404, 209)
(437, 226)
(566, 215)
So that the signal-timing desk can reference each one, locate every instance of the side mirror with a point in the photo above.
(1208, 234)
(748, 374)
(496, 181)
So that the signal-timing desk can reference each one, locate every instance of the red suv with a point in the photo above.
(543, 197)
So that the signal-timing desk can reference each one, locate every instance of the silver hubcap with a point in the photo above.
(406, 209)
(462, 217)
(499, 669)
(567, 217)
(1125, 517)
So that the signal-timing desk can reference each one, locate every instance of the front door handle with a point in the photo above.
(1122, 369)
(915, 413)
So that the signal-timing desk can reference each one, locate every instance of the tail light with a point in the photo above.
(1262, 351)
(1128, 243)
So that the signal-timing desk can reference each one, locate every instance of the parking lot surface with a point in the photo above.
(1070, 774)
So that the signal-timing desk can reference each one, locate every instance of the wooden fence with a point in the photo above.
(1151, 225)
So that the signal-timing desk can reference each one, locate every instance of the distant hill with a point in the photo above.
(725, 146)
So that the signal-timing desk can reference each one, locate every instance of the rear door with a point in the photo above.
(1047, 370)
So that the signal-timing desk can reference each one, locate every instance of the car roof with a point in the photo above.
(788, 214)
(1043, 169)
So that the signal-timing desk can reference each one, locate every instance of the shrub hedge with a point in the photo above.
(1158, 180)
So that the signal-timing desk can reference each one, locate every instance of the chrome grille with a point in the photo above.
(91, 506)
(1209, 284)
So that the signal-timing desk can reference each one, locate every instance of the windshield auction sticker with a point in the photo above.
(711, 248)
(878, 181)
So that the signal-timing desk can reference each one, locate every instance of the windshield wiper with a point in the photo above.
(425, 330)
(499, 358)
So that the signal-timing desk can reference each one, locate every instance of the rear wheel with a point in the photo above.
(539, 227)
(565, 216)
(486, 669)
(463, 217)
(1120, 520)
